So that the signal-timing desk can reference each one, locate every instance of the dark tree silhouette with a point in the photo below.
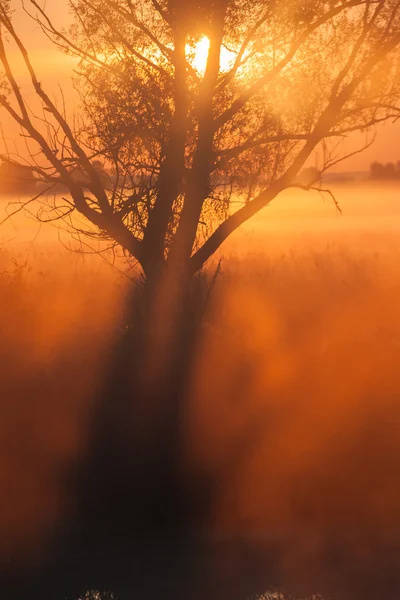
(390, 171)
(166, 160)
(185, 146)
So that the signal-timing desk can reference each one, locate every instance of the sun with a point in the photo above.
(198, 54)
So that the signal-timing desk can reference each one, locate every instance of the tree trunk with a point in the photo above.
(134, 497)
(135, 512)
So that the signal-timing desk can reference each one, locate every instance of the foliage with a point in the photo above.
(188, 154)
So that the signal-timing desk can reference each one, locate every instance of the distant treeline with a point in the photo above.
(311, 176)
(16, 179)
(387, 171)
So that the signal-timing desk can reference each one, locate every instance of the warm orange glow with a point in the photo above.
(198, 55)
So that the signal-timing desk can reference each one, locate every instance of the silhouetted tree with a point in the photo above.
(389, 171)
(295, 77)
(191, 152)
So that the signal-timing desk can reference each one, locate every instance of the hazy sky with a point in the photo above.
(47, 60)
(53, 67)
(57, 9)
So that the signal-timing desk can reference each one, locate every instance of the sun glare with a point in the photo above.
(198, 55)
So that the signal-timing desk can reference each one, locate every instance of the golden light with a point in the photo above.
(198, 56)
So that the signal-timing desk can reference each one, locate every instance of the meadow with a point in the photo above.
(294, 400)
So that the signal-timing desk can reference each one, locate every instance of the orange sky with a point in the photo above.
(53, 68)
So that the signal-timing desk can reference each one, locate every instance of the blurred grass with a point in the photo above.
(293, 406)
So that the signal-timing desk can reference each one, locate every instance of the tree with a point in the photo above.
(185, 145)
(190, 151)
(390, 171)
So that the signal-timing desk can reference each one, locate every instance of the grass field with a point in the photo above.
(294, 406)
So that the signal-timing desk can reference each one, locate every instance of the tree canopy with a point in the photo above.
(191, 146)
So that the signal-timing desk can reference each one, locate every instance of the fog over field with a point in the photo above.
(293, 409)
(200, 329)
(370, 216)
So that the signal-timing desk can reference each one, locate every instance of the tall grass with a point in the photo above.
(293, 407)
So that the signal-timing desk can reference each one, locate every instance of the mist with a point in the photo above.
(291, 423)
